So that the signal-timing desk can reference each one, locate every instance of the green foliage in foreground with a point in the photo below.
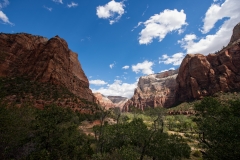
(133, 140)
(51, 133)
(219, 128)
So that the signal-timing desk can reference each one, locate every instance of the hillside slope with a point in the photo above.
(42, 60)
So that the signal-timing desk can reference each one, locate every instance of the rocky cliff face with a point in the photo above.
(201, 75)
(118, 101)
(104, 101)
(236, 33)
(43, 60)
(154, 90)
(110, 101)
(198, 76)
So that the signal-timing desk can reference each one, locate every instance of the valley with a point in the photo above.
(48, 110)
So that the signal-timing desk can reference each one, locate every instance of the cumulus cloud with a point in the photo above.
(175, 59)
(97, 82)
(213, 42)
(112, 11)
(118, 88)
(159, 25)
(58, 1)
(125, 67)
(72, 4)
(144, 67)
(4, 3)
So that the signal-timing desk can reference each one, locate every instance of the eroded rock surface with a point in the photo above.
(118, 101)
(155, 90)
(103, 101)
(43, 60)
(201, 75)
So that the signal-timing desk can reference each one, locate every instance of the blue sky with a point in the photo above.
(119, 41)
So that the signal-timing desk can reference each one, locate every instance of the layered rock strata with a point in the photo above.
(118, 101)
(155, 90)
(103, 101)
(43, 60)
(201, 75)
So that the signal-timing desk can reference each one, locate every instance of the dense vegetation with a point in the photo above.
(53, 132)
(219, 128)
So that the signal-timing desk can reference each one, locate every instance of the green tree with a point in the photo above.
(219, 128)
(56, 135)
(134, 140)
(15, 131)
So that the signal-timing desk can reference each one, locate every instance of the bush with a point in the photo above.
(197, 153)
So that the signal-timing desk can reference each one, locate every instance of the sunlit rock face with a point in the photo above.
(197, 76)
(236, 34)
(103, 101)
(155, 90)
(43, 60)
(118, 101)
(108, 102)
(201, 75)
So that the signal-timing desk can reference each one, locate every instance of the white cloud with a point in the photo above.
(72, 4)
(118, 88)
(112, 11)
(58, 1)
(145, 11)
(125, 67)
(111, 65)
(4, 18)
(159, 25)
(175, 59)
(4, 4)
(48, 8)
(97, 82)
(144, 67)
(213, 42)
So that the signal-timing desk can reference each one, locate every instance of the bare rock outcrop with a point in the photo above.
(103, 101)
(155, 90)
(236, 33)
(201, 75)
(43, 60)
(110, 101)
(118, 101)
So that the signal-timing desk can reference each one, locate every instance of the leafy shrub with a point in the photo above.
(197, 153)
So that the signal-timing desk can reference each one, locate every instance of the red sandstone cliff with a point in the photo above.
(43, 60)
(104, 101)
(110, 101)
(198, 76)
(118, 101)
(155, 90)
(201, 75)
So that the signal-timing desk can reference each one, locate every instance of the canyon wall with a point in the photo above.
(43, 60)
